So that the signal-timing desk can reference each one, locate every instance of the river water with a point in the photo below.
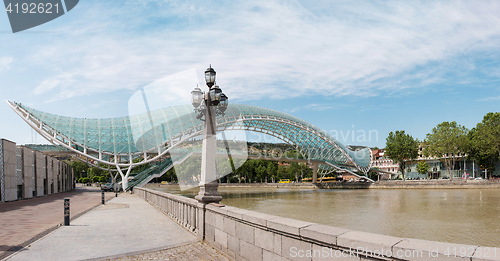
(465, 216)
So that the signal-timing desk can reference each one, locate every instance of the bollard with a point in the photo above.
(66, 211)
(116, 194)
(103, 197)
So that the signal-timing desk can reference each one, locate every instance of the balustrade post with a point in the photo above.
(201, 220)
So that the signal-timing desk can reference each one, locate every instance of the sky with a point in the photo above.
(356, 69)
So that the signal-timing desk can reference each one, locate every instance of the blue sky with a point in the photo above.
(362, 67)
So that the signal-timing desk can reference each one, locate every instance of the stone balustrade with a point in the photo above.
(250, 235)
(181, 209)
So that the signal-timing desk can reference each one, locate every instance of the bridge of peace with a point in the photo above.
(159, 137)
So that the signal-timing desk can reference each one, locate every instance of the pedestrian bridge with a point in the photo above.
(126, 142)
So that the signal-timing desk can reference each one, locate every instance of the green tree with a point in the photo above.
(261, 172)
(484, 141)
(170, 176)
(446, 141)
(96, 172)
(78, 168)
(247, 170)
(271, 170)
(282, 172)
(223, 168)
(140, 168)
(294, 171)
(189, 171)
(422, 167)
(304, 170)
(401, 147)
(373, 175)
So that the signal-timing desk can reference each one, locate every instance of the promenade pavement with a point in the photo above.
(24, 221)
(125, 228)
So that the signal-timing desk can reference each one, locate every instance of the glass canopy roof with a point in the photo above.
(156, 131)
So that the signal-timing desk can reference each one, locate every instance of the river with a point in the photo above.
(465, 216)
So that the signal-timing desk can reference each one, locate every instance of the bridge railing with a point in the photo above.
(249, 235)
(181, 209)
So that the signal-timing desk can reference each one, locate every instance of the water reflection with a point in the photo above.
(466, 216)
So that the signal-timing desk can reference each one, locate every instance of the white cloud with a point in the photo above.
(491, 98)
(317, 107)
(268, 48)
(5, 62)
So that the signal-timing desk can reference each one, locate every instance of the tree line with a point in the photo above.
(241, 171)
(448, 140)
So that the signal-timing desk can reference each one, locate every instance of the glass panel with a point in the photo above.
(142, 132)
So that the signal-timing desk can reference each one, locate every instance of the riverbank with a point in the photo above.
(388, 184)
(415, 184)
(436, 184)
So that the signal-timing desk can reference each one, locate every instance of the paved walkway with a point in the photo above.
(126, 228)
(24, 221)
(194, 251)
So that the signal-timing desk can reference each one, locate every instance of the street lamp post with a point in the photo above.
(208, 105)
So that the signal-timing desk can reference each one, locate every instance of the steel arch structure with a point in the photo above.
(149, 136)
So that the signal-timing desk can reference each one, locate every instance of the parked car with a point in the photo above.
(107, 187)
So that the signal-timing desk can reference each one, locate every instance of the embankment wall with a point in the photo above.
(250, 235)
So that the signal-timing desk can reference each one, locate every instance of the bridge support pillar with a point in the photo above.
(315, 173)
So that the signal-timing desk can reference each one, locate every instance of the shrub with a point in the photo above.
(103, 179)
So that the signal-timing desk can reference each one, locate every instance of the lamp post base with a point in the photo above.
(208, 193)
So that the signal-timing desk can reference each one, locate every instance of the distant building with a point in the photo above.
(437, 169)
(383, 163)
(27, 173)
(349, 177)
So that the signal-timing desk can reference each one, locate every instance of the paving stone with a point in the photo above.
(322, 233)
(233, 244)
(288, 225)
(27, 220)
(368, 242)
(250, 252)
(229, 226)
(272, 256)
(320, 253)
(221, 238)
(194, 251)
(295, 249)
(416, 249)
(486, 254)
(245, 232)
(110, 232)
(264, 239)
(277, 244)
